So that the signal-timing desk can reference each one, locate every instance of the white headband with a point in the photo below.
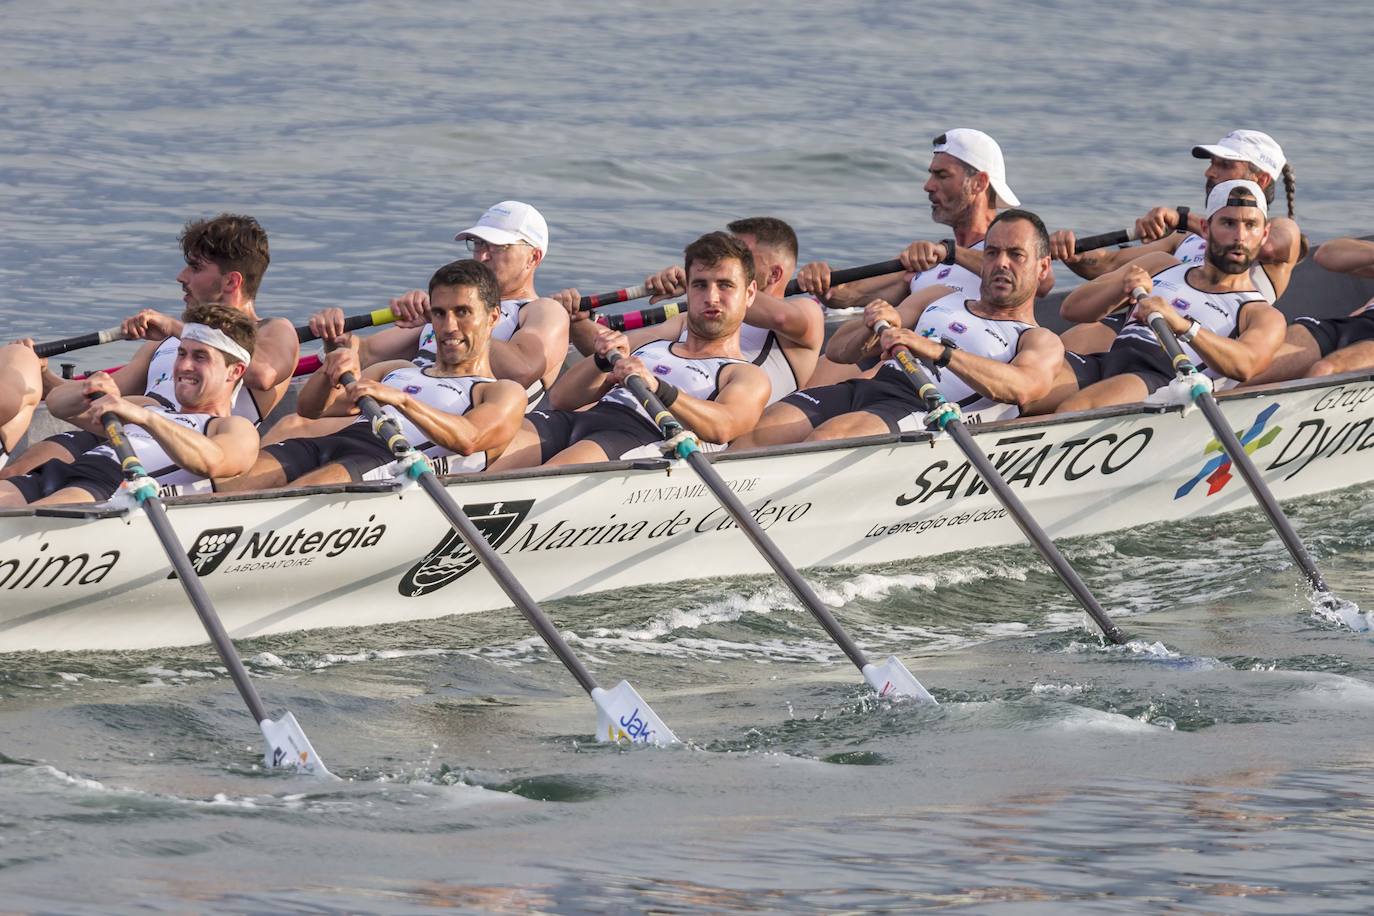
(214, 337)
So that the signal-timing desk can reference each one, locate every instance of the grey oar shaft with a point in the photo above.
(187, 575)
(1041, 541)
(389, 433)
(505, 578)
(670, 427)
(781, 565)
(1240, 458)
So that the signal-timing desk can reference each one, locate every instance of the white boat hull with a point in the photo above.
(359, 556)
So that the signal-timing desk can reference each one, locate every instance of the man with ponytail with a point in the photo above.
(1241, 155)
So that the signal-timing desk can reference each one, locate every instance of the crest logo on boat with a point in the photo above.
(1217, 470)
(451, 559)
(211, 548)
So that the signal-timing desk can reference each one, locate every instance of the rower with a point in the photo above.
(993, 358)
(1226, 326)
(453, 410)
(22, 375)
(529, 343)
(226, 258)
(782, 334)
(183, 446)
(711, 388)
(966, 188)
(1248, 155)
(1314, 347)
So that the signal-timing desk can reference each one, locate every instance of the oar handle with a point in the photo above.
(1183, 364)
(371, 319)
(382, 424)
(81, 341)
(662, 417)
(620, 295)
(1117, 237)
(850, 274)
(643, 318)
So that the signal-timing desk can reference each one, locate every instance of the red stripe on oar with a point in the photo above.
(633, 320)
(307, 365)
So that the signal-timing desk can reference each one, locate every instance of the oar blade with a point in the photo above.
(622, 715)
(891, 678)
(287, 746)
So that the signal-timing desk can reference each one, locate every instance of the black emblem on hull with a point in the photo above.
(451, 559)
(211, 548)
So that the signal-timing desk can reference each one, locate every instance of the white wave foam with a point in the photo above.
(1060, 690)
(1084, 718)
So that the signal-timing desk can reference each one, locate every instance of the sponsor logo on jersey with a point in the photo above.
(943, 273)
(1181, 305)
(663, 370)
(958, 327)
(411, 389)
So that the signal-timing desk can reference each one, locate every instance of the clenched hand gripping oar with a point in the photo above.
(287, 745)
(947, 417)
(1201, 393)
(889, 678)
(622, 714)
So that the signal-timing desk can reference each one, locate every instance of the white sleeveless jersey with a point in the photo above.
(1217, 312)
(1193, 250)
(958, 278)
(161, 387)
(451, 394)
(762, 347)
(998, 340)
(154, 457)
(698, 377)
(505, 329)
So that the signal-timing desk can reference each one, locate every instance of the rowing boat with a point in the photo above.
(95, 578)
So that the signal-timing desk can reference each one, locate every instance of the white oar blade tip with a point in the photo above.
(623, 716)
(287, 746)
(892, 679)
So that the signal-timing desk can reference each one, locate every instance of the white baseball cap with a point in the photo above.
(981, 152)
(1252, 146)
(509, 222)
(1220, 197)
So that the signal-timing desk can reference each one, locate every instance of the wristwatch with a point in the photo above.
(1193, 327)
(949, 251)
(946, 354)
(1182, 220)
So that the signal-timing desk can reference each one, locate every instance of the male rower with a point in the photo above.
(1248, 155)
(704, 380)
(21, 389)
(991, 357)
(226, 258)
(1314, 347)
(1227, 327)
(781, 334)
(181, 446)
(966, 188)
(454, 410)
(528, 344)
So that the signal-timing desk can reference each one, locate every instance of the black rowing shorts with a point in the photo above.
(98, 475)
(1116, 320)
(355, 448)
(889, 396)
(76, 442)
(616, 429)
(1146, 361)
(1332, 334)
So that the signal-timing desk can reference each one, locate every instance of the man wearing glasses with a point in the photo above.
(530, 341)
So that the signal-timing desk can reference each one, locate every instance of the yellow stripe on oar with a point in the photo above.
(382, 316)
(1180, 359)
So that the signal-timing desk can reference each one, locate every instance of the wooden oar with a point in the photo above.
(1201, 393)
(949, 421)
(889, 678)
(622, 714)
(287, 745)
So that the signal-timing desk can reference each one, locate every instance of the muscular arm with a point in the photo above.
(1262, 328)
(798, 320)
(498, 408)
(68, 400)
(1347, 256)
(736, 409)
(584, 383)
(1098, 298)
(228, 451)
(848, 343)
(861, 292)
(274, 356)
(540, 342)
(1027, 378)
(1094, 264)
(322, 398)
(389, 344)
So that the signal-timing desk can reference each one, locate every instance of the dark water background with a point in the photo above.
(1222, 764)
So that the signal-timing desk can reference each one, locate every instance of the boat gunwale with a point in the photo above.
(644, 464)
